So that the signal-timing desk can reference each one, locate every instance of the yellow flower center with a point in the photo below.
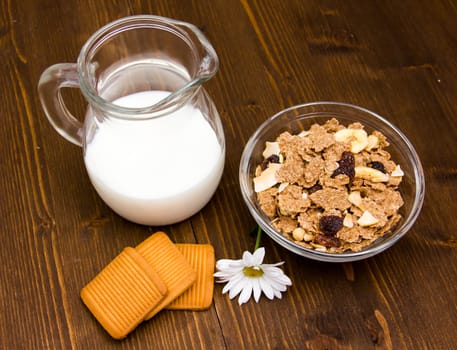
(252, 271)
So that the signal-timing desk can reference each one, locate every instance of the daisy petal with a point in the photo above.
(266, 288)
(256, 289)
(248, 259)
(245, 294)
(233, 281)
(224, 264)
(237, 287)
(272, 270)
(278, 294)
(273, 265)
(275, 285)
(277, 274)
(285, 280)
(220, 274)
(225, 276)
(258, 256)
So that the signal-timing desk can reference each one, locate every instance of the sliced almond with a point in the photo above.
(357, 137)
(367, 219)
(373, 142)
(347, 221)
(267, 178)
(271, 148)
(397, 171)
(319, 248)
(371, 174)
(355, 198)
(282, 186)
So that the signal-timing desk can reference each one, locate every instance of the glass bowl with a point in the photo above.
(301, 117)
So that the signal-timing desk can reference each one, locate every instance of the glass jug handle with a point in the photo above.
(51, 81)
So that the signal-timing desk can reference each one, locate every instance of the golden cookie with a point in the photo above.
(170, 264)
(123, 293)
(200, 295)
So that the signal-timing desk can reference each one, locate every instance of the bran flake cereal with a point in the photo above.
(331, 188)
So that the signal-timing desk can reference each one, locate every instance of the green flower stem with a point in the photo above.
(257, 241)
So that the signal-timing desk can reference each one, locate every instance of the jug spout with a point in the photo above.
(200, 46)
(204, 66)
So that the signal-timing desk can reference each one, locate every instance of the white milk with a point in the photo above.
(158, 171)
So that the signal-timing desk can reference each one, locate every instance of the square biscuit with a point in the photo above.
(170, 264)
(200, 295)
(123, 293)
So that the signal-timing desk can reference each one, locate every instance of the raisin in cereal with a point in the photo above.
(332, 188)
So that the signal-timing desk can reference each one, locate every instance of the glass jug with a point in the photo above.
(152, 139)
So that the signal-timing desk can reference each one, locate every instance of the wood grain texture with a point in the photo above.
(396, 58)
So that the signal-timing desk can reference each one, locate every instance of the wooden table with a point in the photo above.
(395, 58)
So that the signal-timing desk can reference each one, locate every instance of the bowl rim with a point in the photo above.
(410, 219)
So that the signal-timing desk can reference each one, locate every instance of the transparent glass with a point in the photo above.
(152, 138)
(301, 117)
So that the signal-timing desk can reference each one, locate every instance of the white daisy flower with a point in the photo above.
(248, 276)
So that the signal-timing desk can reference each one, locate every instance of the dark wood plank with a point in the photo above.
(396, 58)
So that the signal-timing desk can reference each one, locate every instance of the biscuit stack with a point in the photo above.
(141, 281)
